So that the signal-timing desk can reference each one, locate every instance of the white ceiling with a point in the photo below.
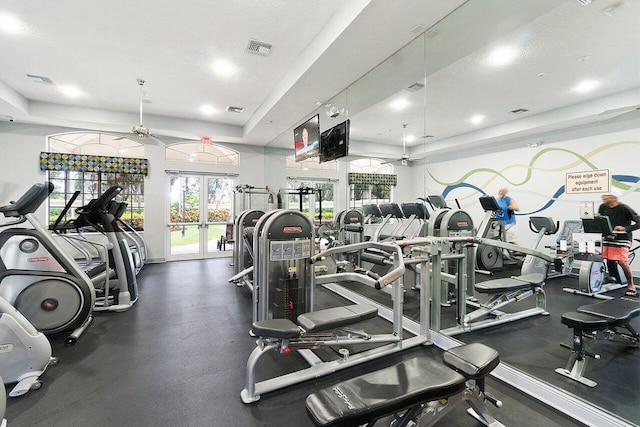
(319, 48)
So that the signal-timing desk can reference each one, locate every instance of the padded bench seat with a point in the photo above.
(315, 321)
(413, 381)
(612, 315)
(584, 322)
(510, 284)
(616, 311)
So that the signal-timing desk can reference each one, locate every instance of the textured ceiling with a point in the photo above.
(319, 48)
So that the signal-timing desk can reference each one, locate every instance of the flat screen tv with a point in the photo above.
(307, 139)
(334, 142)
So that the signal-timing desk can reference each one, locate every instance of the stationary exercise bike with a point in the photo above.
(24, 352)
(596, 275)
(37, 276)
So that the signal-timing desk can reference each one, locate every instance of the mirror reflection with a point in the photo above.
(508, 99)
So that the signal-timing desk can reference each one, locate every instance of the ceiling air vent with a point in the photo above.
(519, 111)
(41, 79)
(235, 109)
(415, 87)
(258, 48)
(584, 2)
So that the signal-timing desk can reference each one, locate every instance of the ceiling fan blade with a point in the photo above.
(156, 141)
(623, 116)
(620, 110)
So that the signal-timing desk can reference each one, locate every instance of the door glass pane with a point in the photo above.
(219, 201)
(184, 211)
(185, 239)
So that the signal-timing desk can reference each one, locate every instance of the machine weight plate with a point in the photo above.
(489, 257)
(325, 266)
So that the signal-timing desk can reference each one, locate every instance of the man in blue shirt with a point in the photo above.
(507, 214)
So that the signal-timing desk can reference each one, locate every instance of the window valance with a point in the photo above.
(372, 178)
(91, 163)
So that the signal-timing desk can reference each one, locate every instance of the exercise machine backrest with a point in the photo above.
(543, 225)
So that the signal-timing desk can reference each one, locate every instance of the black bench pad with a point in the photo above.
(616, 311)
(276, 328)
(315, 321)
(508, 284)
(473, 361)
(335, 317)
(389, 390)
(584, 321)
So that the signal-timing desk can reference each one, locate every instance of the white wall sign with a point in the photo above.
(593, 181)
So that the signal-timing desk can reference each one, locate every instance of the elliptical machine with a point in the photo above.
(37, 277)
(98, 215)
(24, 353)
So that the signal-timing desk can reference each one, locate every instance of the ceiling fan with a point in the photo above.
(405, 158)
(141, 131)
(621, 113)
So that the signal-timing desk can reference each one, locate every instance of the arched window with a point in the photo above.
(91, 177)
(310, 164)
(370, 166)
(98, 144)
(195, 152)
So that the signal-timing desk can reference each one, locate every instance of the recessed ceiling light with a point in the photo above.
(583, 58)
(477, 119)
(208, 110)
(542, 74)
(586, 86)
(10, 24)
(70, 91)
(223, 68)
(410, 138)
(399, 104)
(501, 56)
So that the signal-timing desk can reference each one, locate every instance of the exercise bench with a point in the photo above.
(502, 292)
(612, 317)
(313, 330)
(419, 388)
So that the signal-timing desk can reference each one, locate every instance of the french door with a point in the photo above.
(199, 216)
